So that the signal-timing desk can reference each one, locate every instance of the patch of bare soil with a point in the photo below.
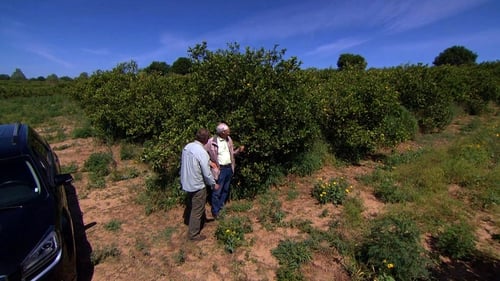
(154, 247)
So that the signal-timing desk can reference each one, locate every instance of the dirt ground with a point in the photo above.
(154, 247)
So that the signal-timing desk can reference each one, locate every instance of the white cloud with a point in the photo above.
(331, 16)
(399, 16)
(42, 52)
(337, 46)
(100, 52)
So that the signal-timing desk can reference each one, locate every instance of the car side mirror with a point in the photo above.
(63, 179)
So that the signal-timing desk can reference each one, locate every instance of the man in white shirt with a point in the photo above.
(222, 157)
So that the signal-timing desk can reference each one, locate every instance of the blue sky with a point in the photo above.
(68, 37)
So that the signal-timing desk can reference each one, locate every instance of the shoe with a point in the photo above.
(198, 238)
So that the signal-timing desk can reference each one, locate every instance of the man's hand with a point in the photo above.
(217, 186)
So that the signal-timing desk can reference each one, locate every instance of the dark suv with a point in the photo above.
(37, 240)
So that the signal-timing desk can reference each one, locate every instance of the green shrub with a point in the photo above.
(282, 125)
(128, 151)
(393, 248)
(334, 191)
(423, 94)
(457, 240)
(398, 127)
(96, 181)
(291, 255)
(99, 166)
(311, 160)
(231, 232)
(86, 131)
(98, 163)
(359, 112)
(390, 192)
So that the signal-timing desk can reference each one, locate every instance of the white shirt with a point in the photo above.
(195, 168)
(223, 156)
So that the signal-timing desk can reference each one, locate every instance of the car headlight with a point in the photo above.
(44, 256)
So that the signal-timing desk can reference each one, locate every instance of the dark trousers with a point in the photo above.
(196, 207)
(220, 196)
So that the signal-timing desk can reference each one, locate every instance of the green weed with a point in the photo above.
(393, 248)
(231, 232)
(180, 257)
(98, 163)
(86, 131)
(124, 174)
(129, 151)
(457, 240)
(271, 214)
(334, 191)
(101, 254)
(239, 206)
(113, 225)
(69, 169)
(291, 255)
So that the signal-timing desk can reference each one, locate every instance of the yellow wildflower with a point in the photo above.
(390, 265)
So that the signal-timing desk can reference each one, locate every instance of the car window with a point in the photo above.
(43, 154)
(18, 182)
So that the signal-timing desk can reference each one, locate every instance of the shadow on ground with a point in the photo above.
(475, 269)
(85, 267)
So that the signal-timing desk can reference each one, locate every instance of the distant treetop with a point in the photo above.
(18, 75)
(351, 62)
(456, 55)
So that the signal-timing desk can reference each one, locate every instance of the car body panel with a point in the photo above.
(33, 209)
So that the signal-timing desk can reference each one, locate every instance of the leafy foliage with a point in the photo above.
(98, 163)
(456, 55)
(421, 93)
(260, 95)
(351, 62)
(28, 88)
(18, 75)
(160, 68)
(271, 215)
(334, 191)
(291, 255)
(182, 66)
(457, 240)
(285, 116)
(393, 248)
(359, 112)
(231, 232)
